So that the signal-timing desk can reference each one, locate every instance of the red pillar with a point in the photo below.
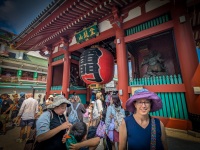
(49, 74)
(66, 67)
(187, 57)
(122, 64)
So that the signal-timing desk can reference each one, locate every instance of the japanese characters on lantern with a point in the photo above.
(96, 66)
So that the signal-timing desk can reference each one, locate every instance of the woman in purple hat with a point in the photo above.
(140, 131)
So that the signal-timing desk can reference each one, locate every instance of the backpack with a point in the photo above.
(86, 114)
(73, 116)
(118, 120)
(108, 97)
(31, 143)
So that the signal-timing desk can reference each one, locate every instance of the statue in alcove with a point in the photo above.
(155, 65)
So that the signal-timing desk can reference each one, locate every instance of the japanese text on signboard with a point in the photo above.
(87, 33)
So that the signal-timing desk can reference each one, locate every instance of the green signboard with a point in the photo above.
(87, 33)
(75, 57)
(19, 73)
(35, 75)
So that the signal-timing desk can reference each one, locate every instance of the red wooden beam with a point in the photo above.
(176, 123)
(68, 15)
(164, 88)
(80, 7)
(78, 91)
(148, 32)
(55, 91)
(57, 53)
(93, 4)
(74, 61)
(78, 18)
(58, 62)
(147, 16)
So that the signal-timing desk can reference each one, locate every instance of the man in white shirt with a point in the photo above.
(27, 114)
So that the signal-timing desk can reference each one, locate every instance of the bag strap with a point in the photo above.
(74, 110)
(77, 106)
(51, 114)
(72, 106)
(153, 134)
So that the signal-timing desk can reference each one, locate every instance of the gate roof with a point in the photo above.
(63, 18)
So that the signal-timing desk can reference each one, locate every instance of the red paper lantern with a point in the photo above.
(96, 66)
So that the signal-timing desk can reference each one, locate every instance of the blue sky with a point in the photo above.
(16, 15)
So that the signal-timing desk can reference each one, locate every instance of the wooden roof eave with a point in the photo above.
(99, 15)
(81, 21)
(47, 20)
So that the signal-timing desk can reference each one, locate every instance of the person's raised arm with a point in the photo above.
(91, 143)
(51, 133)
(122, 136)
(43, 130)
(163, 136)
(11, 106)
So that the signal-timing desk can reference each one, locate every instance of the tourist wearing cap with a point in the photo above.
(21, 99)
(49, 100)
(51, 125)
(140, 131)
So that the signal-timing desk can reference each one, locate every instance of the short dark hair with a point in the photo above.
(116, 100)
(5, 94)
(91, 132)
(79, 130)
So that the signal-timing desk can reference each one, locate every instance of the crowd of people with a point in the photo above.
(63, 124)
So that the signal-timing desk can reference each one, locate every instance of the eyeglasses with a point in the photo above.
(147, 103)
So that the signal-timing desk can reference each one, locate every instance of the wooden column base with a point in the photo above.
(176, 123)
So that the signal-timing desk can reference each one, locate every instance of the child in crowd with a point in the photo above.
(78, 133)
(91, 107)
(86, 116)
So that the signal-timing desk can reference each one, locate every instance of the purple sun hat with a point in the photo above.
(144, 93)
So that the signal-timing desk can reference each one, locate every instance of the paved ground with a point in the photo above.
(177, 140)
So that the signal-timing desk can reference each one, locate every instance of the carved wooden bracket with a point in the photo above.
(45, 51)
(116, 20)
(64, 43)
